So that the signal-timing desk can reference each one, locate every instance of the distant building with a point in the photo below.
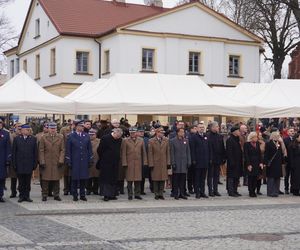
(294, 65)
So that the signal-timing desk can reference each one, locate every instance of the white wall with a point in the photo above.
(47, 29)
(172, 56)
(192, 21)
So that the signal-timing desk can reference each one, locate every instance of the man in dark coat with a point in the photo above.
(200, 153)
(191, 170)
(5, 156)
(234, 161)
(218, 157)
(24, 160)
(79, 157)
(287, 142)
(109, 152)
(180, 161)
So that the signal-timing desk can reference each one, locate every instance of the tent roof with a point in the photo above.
(22, 95)
(159, 94)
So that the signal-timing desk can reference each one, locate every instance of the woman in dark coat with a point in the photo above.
(273, 160)
(253, 162)
(294, 158)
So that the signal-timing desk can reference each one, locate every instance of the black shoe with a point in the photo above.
(44, 199)
(57, 198)
(13, 196)
(252, 195)
(143, 193)
(280, 192)
(233, 195)
(204, 196)
(296, 194)
(138, 197)
(287, 192)
(130, 198)
(211, 194)
(2, 200)
(29, 200)
(217, 194)
(238, 194)
(161, 197)
(183, 197)
(75, 198)
(156, 197)
(106, 198)
(176, 198)
(113, 198)
(66, 193)
(21, 200)
(259, 193)
(83, 198)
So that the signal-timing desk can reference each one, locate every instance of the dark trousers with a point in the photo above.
(273, 185)
(50, 186)
(109, 190)
(191, 178)
(252, 184)
(120, 187)
(200, 176)
(258, 185)
(137, 188)
(179, 180)
(93, 185)
(159, 187)
(2, 185)
(232, 185)
(13, 186)
(67, 184)
(24, 185)
(287, 178)
(54, 188)
(78, 184)
(213, 178)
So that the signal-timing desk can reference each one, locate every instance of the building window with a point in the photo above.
(52, 61)
(82, 62)
(37, 28)
(148, 59)
(234, 66)
(25, 65)
(12, 68)
(106, 61)
(37, 67)
(194, 62)
(17, 65)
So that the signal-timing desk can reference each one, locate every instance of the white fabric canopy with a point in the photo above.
(22, 95)
(158, 94)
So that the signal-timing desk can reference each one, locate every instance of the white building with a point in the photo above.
(64, 43)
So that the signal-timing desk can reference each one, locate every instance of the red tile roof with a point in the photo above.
(94, 18)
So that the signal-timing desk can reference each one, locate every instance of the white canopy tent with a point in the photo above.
(225, 91)
(22, 95)
(158, 94)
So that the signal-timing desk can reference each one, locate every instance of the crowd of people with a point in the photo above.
(97, 158)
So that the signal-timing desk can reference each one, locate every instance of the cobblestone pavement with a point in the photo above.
(214, 223)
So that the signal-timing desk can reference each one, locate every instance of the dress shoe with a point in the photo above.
(176, 198)
(75, 198)
(252, 195)
(287, 192)
(217, 194)
(259, 193)
(106, 198)
(13, 196)
(238, 194)
(130, 198)
(29, 200)
(156, 197)
(296, 194)
(280, 192)
(273, 195)
(161, 197)
(233, 195)
(2, 200)
(83, 198)
(183, 197)
(204, 196)
(21, 200)
(57, 198)
(197, 196)
(211, 194)
(44, 199)
(138, 197)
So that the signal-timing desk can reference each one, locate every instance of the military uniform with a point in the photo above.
(5, 155)
(51, 157)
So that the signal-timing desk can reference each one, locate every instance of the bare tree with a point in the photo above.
(295, 7)
(213, 4)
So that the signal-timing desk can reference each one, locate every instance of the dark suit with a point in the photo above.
(287, 142)
(24, 160)
(5, 154)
